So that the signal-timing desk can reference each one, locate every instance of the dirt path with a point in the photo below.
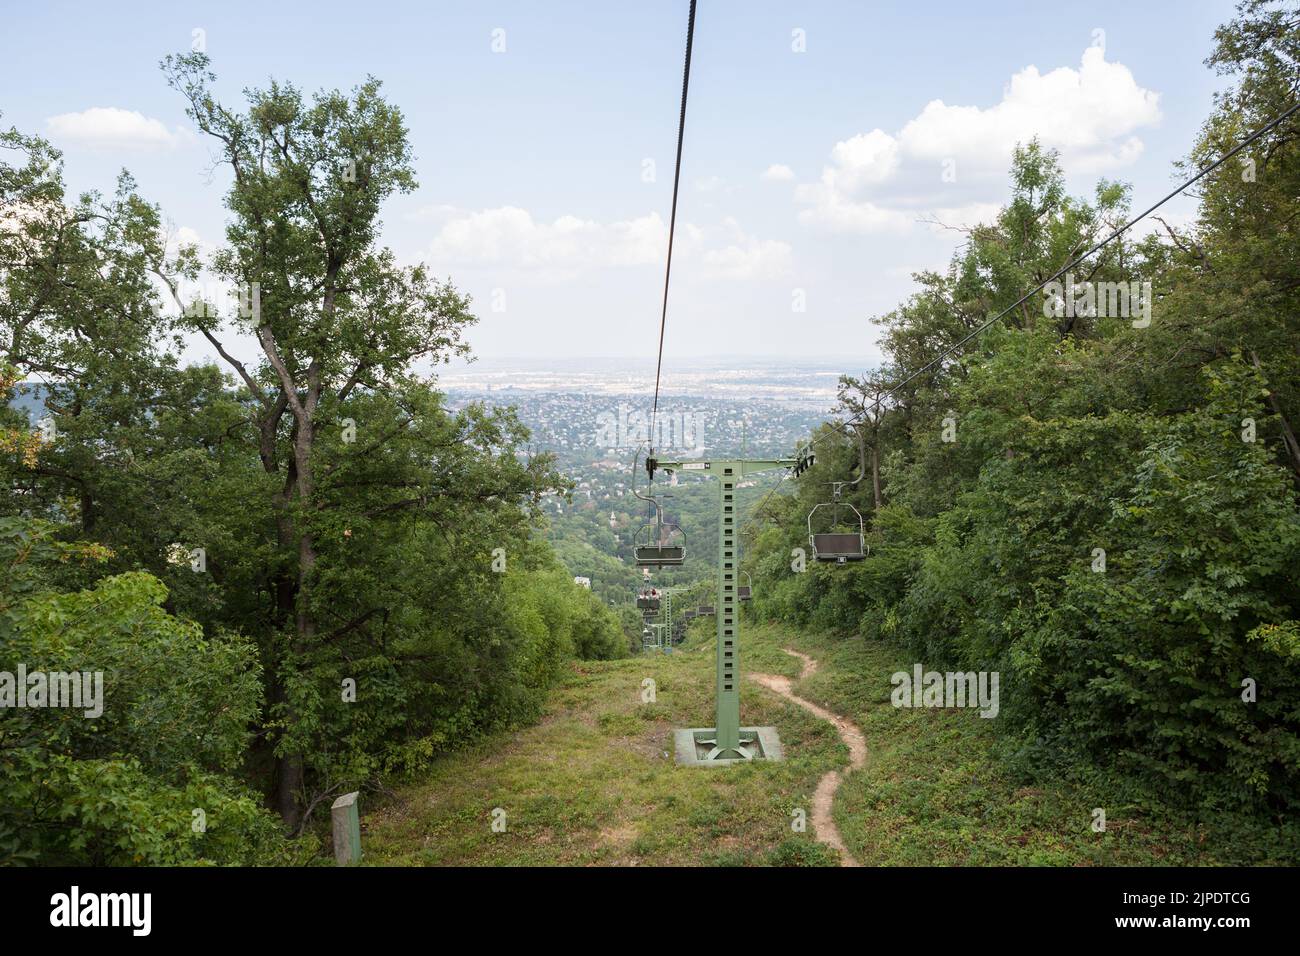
(824, 797)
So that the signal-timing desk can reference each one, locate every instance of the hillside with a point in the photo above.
(594, 783)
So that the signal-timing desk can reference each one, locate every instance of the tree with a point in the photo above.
(152, 777)
(1095, 507)
(78, 322)
(341, 328)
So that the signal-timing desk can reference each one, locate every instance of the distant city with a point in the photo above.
(797, 383)
(594, 416)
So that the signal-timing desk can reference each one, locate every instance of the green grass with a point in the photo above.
(935, 792)
(595, 783)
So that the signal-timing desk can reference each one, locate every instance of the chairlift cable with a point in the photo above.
(672, 219)
(1074, 262)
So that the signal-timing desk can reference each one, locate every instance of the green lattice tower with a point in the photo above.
(666, 615)
(682, 589)
(726, 744)
(651, 642)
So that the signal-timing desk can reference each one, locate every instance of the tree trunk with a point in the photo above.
(288, 777)
(290, 772)
(288, 787)
(1288, 435)
(875, 475)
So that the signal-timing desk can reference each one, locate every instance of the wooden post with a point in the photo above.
(347, 829)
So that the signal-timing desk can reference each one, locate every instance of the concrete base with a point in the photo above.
(693, 746)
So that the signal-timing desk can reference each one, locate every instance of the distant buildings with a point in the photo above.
(568, 425)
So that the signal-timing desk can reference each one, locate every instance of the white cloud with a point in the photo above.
(1089, 114)
(834, 210)
(509, 238)
(187, 236)
(743, 257)
(778, 172)
(864, 160)
(108, 127)
(876, 181)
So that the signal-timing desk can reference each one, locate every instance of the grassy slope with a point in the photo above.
(594, 782)
(934, 791)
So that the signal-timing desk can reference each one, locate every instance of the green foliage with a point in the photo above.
(371, 591)
(794, 851)
(1208, 539)
(122, 787)
(1169, 447)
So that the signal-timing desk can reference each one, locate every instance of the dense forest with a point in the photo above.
(302, 574)
(1102, 508)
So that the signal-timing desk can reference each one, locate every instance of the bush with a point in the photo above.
(123, 787)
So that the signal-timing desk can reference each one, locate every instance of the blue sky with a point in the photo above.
(805, 171)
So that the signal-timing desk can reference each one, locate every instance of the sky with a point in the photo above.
(824, 140)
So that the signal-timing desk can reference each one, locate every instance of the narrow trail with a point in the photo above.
(824, 796)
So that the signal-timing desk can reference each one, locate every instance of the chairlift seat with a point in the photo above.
(838, 547)
(660, 543)
(654, 556)
(743, 592)
(841, 546)
(705, 609)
